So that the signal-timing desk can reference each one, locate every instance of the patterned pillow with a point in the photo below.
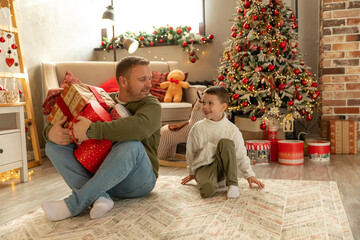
(69, 78)
(157, 79)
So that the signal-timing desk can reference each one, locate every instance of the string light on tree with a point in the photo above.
(263, 65)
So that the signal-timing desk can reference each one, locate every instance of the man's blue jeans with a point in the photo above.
(125, 173)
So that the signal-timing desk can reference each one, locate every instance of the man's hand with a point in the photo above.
(60, 135)
(80, 129)
(187, 179)
(254, 180)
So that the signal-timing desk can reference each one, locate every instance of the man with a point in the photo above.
(131, 168)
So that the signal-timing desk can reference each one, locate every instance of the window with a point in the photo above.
(142, 15)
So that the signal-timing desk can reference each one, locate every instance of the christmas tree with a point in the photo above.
(262, 67)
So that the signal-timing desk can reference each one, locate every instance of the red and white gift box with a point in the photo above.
(319, 151)
(291, 152)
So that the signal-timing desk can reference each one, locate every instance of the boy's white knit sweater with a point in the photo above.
(203, 139)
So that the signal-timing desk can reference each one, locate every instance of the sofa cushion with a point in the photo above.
(110, 85)
(175, 111)
(69, 78)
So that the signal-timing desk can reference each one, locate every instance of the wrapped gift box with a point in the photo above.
(76, 97)
(258, 151)
(343, 136)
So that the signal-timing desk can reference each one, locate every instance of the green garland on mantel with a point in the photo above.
(163, 36)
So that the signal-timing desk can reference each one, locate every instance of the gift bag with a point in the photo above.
(91, 153)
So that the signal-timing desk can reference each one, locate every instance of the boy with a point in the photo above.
(215, 148)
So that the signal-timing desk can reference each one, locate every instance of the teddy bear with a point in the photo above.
(174, 86)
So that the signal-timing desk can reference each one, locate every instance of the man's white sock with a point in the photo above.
(233, 192)
(101, 206)
(56, 210)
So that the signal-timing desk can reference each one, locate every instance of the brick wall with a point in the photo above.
(339, 61)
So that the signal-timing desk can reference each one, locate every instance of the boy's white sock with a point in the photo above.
(233, 192)
(56, 210)
(222, 184)
(101, 206)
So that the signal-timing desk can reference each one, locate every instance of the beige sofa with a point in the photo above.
(96, 72)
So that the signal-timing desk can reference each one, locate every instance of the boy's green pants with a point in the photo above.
(223, 167)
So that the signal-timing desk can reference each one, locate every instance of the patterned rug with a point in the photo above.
(283, 210)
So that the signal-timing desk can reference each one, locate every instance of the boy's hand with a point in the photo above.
(59, 135)
(187, 179)
(254, 180)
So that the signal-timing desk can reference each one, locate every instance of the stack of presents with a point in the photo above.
(342, 140)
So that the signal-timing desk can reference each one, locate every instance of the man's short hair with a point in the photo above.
(220, 92)
(125, 65)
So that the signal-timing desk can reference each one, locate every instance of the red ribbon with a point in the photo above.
(174, 81)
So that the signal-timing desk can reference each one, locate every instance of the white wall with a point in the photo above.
(69, 30)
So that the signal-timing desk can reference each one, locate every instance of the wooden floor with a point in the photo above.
(16, 199)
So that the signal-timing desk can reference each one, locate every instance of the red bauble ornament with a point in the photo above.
(261, 48)
(269, 27)
(247, 4)
(276, 13)
(309, 117)
(102, 43)
(293, 52)
(111, 47)
(263, 126)
(296, 71)
(193, 60)
(314, 84)
(283, 45)
(179, 31)
(253, 118)
(317, 93)
(211, 36)
(151, 43)
(2, 39)
(303, 82)
(239, 10)
(171, 28)
(234, 34)
(299, 97)
(262, 10)
(290, 103)
(238, 48)
(295, 26)
(303, 112)
(154, 32)
(282, 86)
(255, 17)
(26, 129)
(235, 65)
(184, 44)
(215, 83)
(192, 53)
(251, 88)
(246, 26)
(203, 39)
(236, 96)
(161, 40)
(233, 29)
(189, 28)
(245, 81)
(244, 104)
(221, 78)
(191, 40)
(142, 38)
(271, 67)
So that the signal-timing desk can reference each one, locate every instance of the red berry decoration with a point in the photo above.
(299, 97)
(238, 48)
(102, 43)
(155, 32)
(290, 103)
(233, 34)
(283, 45)
(296, 71)
(184, 44)
(262, 10)
(142, 38)
(193, 60)
(244, 104)
(189, 28)
(236, 96)
(261, 48)
(245, 81)
(276, 13)
(253, 118)
(239, 10)
(191, 40)
(221, 78)
(215, 83)
(235, 65)
(303, 82)
(269, 27)
(271, 67)
(263, 126)
(246, 26)
(282, 86)
(247, 4)
(309, 117)
(211, 36)
(2, 39)
(255, 17)
(251, 88)
(203, 39)
(151, 43)
(111, 47)
(192, 54)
